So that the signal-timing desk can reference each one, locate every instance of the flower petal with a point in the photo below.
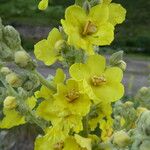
(116, 13)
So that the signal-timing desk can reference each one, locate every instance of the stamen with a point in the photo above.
(72, 95)
(89, 28)
(96, 81)
(59, 146)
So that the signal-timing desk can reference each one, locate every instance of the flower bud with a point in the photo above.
(140, 110)
(86, 6)
(121, 139)
(22, 58)
(10, 102)
(12, 37)
(128, 104)
(143, 90)
(5, 70)
(14, 80)
(116, 57)
(43, 4)
(122, 65)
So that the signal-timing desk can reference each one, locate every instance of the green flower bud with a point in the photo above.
(5, 70)
(128, 104)
(121, 139)
(14, 80)
(143, 90)
(86, 6)
(115, 58)
(29, 85)
(12, 37)
(22, 58)
(122, 65)
(140, 110)
(10, 102)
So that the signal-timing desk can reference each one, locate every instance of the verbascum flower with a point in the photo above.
(43, 4)
(101, 83)
(106, 127)
(85, 30)
(13, 118)
(103, 110)
(48, 50)
(56, 139)
(70, 97)
(117, 13)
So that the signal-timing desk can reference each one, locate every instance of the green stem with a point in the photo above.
(85, 126)
(45, 82)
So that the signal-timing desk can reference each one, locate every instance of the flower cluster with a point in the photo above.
(74, 109)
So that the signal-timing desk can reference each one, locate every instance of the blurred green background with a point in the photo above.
(133, 36)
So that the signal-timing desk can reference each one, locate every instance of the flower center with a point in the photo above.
(89, 28)
(96, 81)
(59, 146)
(72, 95)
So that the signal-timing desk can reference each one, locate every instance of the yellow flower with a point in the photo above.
(69, 97)
(100, 82)
(13, 117)
(117, 13)
(48, 50)
(52, 140)
(106, 127)
(56, 139)
(103, 110)
(85, 30)
(43, 4)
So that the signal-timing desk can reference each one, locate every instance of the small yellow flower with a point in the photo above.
(69, 97)
(103, 110)
(100, 82)
(106, 127)
(47, 50)
(85, 30)
(13, 118)
(43, 4)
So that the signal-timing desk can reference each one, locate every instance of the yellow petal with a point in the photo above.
(43, 4)
(99, 14)
(31, 102)
(104, 35)
(79, 71)
(12, 118)
(96, 64)
(54, 36)
(117, 13)
(114, 74)
(83, 142)
(59, 77)
(44, 52)
(75, 15)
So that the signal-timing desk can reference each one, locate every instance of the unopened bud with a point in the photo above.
(143, 90)
(28, 85)
(128, 104)
(12, 37)
(116, 57)
(10, 102)
(145, 145)
(5, 70)
(122, 65)
(140, 110)
(22, 58)
(87, 7)
(14, 80)
(121, 139)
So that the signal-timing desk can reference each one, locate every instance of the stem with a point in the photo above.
(45, 82)
(85, 126)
